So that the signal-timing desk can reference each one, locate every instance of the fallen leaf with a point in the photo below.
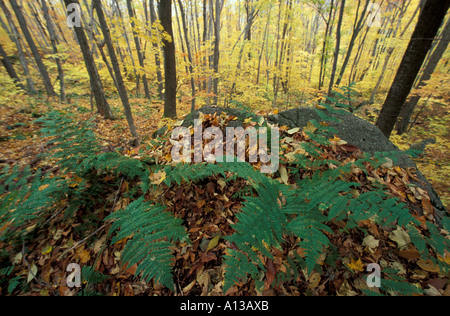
(370, 242)
(293, 130)
(284, 175)
(356, 265)
(47, 250)
(401, 237)
(428, 265)
(32, 273)
(314, 280)
(213, 243)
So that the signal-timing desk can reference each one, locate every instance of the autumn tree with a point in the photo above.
(34, 50)
(117, 72)
(96, 84)
(430, 20)
(170, 67)
(408, 107)
(336, 51)
(54, 44)
(138, 48)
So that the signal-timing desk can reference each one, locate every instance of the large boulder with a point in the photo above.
(354, 130)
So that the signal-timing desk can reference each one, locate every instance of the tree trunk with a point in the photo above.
(157, 53)
(97, 88)
(357, 28)
(430, 20)
(137, 76)
(138, 48)
(15, 37)
(408, 107)
(115, 64)
(188, 48)
(52, 34)
(337, 48)
(170, 68)
(34, 49)
(9, 68)
(323, 59)
(216, 56)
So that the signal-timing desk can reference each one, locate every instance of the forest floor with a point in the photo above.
(60, 242)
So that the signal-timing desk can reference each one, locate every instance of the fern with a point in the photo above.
(25, 200)
(71, 143)
(152, 232)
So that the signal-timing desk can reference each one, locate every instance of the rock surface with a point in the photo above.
(350, 128)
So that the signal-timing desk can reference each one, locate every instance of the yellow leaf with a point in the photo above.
(47, 250)
(158, 178)
(43, 187)
(314, 280)
(293, 130)
(84, 256)
(213, 243)
(284, 175)
(356, 265)
(310, 128)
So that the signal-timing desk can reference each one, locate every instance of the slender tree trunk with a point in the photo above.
(337, 48)
(170, 70)
(356, 30)
(99, 95)
(264, 43)
(138, 48)
(430, 20)
(15, 37)
(136, 74)
(216, 56)
(34, 49)
(51, 31)
(157, 53)
(323, 59)
(408, 107)
(188, 48)
(10, 69)
(115, 64)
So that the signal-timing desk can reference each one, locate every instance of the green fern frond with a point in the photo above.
(152, 232)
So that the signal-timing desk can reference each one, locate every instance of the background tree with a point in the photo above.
(96, 84)
(170, 68)
(430, 20)
(409, 106)
(117, 72)
(37, 57)
(138, 48)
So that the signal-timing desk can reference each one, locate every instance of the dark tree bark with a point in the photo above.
(115, 64)
(10, 69)
(323, 59)
(170, 68)
(34, 50)
(430, 20)
(408, 107)
(138, 48)
(337, 48)
(16, 38)
(53, 41)
(97, 87)
(356, 29)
